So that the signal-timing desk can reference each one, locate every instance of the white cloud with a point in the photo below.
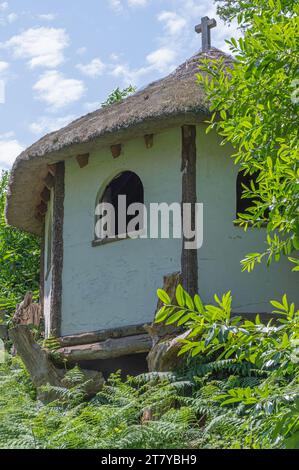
(3, 6)
(81, 50)
(47, 124)
(9, 150)
(173, 22)
(116, 5)
(137, 3)
(42, 46)
(12, 17)
(161, 59)
(58, 91)
(94, 69)
(47, 16)
(3, 66)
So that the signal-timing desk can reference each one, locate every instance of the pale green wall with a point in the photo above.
(225, 244)
(114, 285)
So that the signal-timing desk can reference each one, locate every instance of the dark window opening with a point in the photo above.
(125, 184)
(244, 203)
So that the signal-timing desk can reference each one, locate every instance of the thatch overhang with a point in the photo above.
(174, 100)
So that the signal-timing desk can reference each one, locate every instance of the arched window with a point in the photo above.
(123, 191)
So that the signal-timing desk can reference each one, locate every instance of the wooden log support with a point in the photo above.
(42, 270)
(109, 349)
(149, 140)
(45, 194)
(116, 150)
(35, 359)
(189, 258)
(57, 252)
(101, 335)
(83, 160)
(49, 180)
(28, 312)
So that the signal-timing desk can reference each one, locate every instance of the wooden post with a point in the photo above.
(42, 270)
(189, 260)
(57, 251)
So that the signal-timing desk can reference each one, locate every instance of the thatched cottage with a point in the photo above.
(152, 147)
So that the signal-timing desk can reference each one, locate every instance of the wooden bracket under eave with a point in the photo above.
(149, 140)
(52, 169)
(83, 160)
(49, 180)
(45, 194)
(116, 150)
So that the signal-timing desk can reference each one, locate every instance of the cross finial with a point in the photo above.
(205, 28)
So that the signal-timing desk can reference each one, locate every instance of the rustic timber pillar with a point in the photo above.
(42, 270)
(57, 251)
(189, 259)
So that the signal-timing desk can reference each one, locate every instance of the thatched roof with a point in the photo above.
(174, 100)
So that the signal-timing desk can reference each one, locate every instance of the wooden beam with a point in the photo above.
(45, 194)
(83, 160)
(42, 270)
(57, 251)
(149, 140)
(189, 258)
(49, 180)
(101, 335)
(116, 150)
(109, 349)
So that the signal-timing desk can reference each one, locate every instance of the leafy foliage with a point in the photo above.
(260, 362)
(19, 259)
(119, 95)
(256, 102)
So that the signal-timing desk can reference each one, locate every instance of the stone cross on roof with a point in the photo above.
(205, 28)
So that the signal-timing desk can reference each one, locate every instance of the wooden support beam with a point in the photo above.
(42, 270)
(109, 349)
(149, 140)
(45, 194)
(49, 180)
(189, 258)
(116, 150)
(101, 335)
(83, 160)
(57, 251)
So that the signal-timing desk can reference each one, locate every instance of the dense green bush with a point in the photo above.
(19, 259)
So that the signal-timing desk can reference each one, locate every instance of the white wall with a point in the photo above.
(114, 285)
(225, 244)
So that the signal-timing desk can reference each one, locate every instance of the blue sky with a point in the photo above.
(59, 59)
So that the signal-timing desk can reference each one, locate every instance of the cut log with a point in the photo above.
(109, 349)
(101, 335)
(35, 359)
(27, 312)
(163, 357)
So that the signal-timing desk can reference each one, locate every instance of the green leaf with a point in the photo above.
(163, 296)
